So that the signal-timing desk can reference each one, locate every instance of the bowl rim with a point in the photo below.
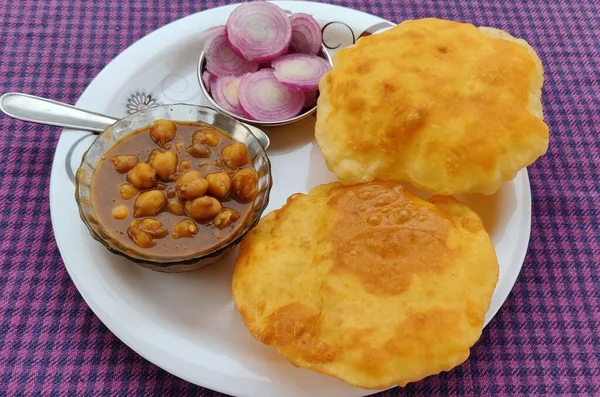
(175, 261)
(301, 116)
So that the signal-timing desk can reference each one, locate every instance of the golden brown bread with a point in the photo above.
(367, 283)
(449, 107)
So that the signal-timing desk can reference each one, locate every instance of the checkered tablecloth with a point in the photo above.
(545, 339)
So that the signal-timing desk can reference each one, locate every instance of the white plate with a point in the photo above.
(186, 323)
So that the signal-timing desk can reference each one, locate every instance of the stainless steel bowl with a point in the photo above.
(179, 112)
(200, 68)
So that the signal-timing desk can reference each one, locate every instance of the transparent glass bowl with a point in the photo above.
(176, 112)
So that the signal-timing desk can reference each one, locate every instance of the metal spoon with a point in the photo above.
(48, 112)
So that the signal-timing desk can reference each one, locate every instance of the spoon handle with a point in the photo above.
(45, 111)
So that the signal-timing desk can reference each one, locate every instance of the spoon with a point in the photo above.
(48, 112)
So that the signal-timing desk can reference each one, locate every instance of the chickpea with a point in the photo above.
(165, 164)
(152, 155)
(203, 208)
(198, 150)
(176, 206)
(234, 155)
(218, 184)
(141, 239)
(124, 162)
(153, 227)
(226, 217)
(245, 185)
(148, 203)
(185, 228)
(207, 137)
(127, 191)
(163, 131)
(120, 212)
(142, 176)
(184, 165)
(191, 185)
(143, 232)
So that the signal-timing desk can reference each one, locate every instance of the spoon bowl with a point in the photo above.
(45, 111)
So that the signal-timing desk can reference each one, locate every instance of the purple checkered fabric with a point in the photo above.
(545, 339)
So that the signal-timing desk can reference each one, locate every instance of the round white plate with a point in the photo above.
(186, 323)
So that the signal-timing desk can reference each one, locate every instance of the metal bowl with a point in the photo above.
(179, 112)
(200, 68)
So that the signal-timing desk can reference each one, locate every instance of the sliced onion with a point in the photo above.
(306, 34)
(222, 61)
(310, 99)
(207, 79)
(265, 99)
(225, 93)
(300, 71)
(259, 31)
(212, 33)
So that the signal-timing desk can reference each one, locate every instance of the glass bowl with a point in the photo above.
(200, 68)
(176, 112)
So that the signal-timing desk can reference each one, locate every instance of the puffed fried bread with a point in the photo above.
(367, 283)
(449, 107)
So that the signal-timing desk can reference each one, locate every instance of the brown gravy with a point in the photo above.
(107, 182)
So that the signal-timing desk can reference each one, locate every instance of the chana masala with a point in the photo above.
(174, 188)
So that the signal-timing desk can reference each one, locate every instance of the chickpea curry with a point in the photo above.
(174, 189)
